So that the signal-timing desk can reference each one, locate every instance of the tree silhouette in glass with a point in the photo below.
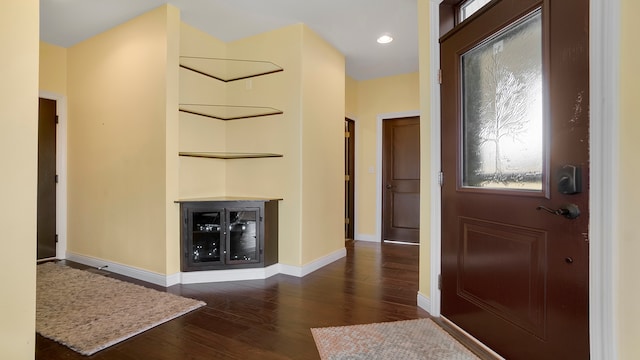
(498, 108)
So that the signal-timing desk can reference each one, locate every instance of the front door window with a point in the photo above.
(502, 109)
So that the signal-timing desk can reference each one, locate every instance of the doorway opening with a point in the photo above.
(401, 180)
(60, 174)
(47, 180)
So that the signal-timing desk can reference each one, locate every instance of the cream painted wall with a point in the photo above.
(351, 98)
(53, 68)
(120, 195)
(18, 190)
(172, 141)
(323, 99)
(628, 245)
(393, 94)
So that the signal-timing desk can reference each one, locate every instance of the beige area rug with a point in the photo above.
(406, 340)
(89, 312)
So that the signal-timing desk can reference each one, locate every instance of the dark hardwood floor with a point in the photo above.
(271, 319)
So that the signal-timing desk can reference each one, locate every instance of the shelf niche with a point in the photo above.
(227, 70)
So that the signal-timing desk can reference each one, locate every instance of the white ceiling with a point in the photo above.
(351, 26)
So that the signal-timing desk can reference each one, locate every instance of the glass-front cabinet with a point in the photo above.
(223, 234)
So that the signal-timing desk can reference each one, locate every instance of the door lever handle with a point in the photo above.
(570, 211)
(389, 186)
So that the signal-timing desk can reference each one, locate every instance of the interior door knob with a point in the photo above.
(389, 186)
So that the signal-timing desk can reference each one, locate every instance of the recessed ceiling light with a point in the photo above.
(385, 39)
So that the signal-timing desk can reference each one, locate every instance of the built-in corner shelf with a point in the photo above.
(227, 70)
(228, 155)
(228, 112)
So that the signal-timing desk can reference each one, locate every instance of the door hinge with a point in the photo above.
(347, 178)
(347, 221)
(347, 134)
(57, 119)
(56, 178)
(439, 282)
(439, 76)
(56, 237)
(441, 178)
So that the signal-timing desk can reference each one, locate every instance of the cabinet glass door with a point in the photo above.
(243, 231)
(206, 237)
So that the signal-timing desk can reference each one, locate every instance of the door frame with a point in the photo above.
(604, 40)
(379, 189)
(61, 171)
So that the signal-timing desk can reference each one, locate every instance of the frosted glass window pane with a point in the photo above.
(502, 109)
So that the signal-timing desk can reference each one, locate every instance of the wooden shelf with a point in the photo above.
(227, 70)
(228, 198)
(229, 155)
(228, 112)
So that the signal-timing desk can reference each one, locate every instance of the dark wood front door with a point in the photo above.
(401, 180)
(515, 141)
(46, 222)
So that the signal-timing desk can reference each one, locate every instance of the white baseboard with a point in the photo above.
(314, 265)
(366, 237)
(194, 277)
(173, 279)
(144, 275)
(424, 302)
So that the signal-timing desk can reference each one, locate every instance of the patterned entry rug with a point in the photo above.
(407, 340)
(88, 312)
